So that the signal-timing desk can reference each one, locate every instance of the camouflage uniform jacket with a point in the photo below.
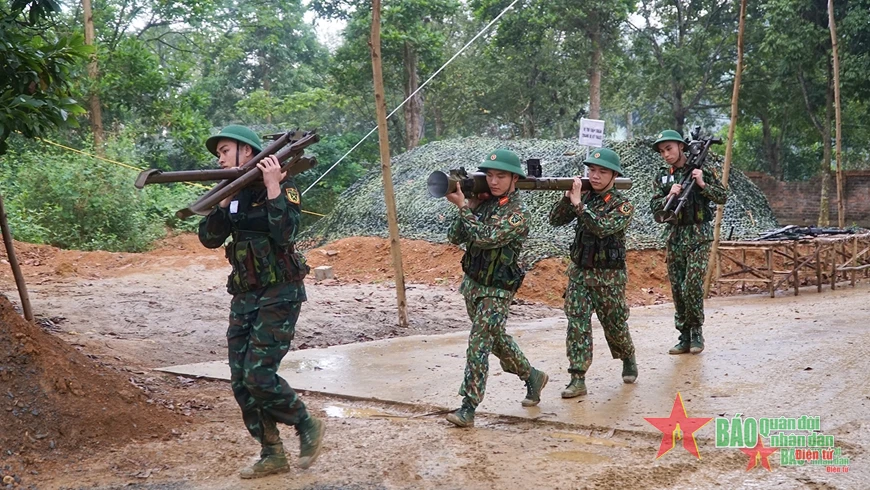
(282, 222)
(689, 228)
(494, 223)
(603, 215)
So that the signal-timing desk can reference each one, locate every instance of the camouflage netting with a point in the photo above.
(362, 211)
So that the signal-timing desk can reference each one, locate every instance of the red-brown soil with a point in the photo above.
(368, 259)
(55, 399)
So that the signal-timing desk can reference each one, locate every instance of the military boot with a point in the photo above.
(272, 461)
(629, 370)
(534, 385)
(696, 345)
(576, 387)
(464, 417)
(682, 346)
(310, 432)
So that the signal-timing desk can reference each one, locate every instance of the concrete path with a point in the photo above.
(788, 356)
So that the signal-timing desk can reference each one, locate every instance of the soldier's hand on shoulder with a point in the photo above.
(456, 197)
(272, 175)
(698, 175)
(576, 192)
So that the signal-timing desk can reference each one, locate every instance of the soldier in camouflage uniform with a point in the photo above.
(597, 273)
(493, 230)
(689, 238)
(268, 290)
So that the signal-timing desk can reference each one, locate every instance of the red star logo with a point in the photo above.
(759, 452)
(678, 425)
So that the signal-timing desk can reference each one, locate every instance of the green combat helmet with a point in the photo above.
(667, 135)
(607, 158)
(503, 160)
(237, 133)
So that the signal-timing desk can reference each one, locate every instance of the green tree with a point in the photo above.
(532, 65)
(685, 52)
(37, 66)
(412, 37)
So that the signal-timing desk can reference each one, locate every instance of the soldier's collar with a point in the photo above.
(503, 200)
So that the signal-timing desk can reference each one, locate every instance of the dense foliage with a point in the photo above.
(170, 72)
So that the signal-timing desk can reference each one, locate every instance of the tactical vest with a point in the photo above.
(591, 252)
(697, 207)
(496, 267)
(257, 260)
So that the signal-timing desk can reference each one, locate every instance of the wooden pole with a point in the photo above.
(13, 262)
(384, 140)
(841, 206)
(729, 147)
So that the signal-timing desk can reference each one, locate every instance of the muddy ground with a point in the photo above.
(132, 313)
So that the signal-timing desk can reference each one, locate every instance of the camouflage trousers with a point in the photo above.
(488, 317)
(257, 341)
(687, 265)
(608, 302)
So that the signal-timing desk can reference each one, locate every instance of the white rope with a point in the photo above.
(493, 21)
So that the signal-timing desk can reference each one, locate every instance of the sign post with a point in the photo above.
(591, 135)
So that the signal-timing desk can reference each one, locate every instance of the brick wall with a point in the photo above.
(797, 203)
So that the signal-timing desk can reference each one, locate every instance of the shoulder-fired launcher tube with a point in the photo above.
(232, 180)
(440, 184)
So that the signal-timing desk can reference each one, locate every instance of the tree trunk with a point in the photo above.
(595, 73)
(679, 111)
(824, 199)
(629, 126)
(93, 75)
(769, 144)
(267, 87)
(528, 113)
(439, 122)
(528, 116)
(414, 108)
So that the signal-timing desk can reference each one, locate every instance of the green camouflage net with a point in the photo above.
(361, 210)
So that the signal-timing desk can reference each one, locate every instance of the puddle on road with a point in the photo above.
(578, 457)
(339, 412)
(588, 440)
(300, 365)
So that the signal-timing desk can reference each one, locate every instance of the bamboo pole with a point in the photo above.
(841, 206)
(384, 143)
(729, 147)
(13, 262)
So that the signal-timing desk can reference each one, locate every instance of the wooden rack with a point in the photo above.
(826, 259)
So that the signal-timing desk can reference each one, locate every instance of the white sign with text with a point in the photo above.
(592, 132)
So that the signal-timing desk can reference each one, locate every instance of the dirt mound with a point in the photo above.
(353, 259)
(368, 259)
(53, 398)
(47, 263)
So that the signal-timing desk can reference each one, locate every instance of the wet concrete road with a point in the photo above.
(765, 358)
